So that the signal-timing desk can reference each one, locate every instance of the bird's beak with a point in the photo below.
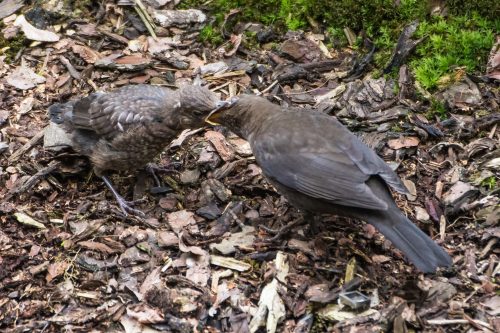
(213, 117)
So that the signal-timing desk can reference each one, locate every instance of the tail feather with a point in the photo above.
(60, 113)
(73, 114)
(419, 248)
(81, 115)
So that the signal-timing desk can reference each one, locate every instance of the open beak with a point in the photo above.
(214, 115)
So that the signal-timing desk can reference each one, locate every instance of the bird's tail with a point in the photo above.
(419, 248)
(61, 113)
(73, 114)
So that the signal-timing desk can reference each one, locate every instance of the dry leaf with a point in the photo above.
(403, 142)
(24, 78)
(180, 219)
(86, 53)
(220, 144)
(33, 33)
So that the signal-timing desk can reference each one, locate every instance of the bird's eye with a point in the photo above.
(198, 113)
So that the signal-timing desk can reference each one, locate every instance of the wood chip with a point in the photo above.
(28, 220)
(230, 263)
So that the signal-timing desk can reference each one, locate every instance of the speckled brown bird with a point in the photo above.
(125, 129)
(321, 167)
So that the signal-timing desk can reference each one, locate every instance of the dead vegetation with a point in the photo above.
(202, 260)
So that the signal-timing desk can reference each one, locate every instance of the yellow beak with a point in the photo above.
(214, 116)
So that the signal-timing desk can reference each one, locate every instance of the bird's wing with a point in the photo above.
(125, 109)
(332, 164)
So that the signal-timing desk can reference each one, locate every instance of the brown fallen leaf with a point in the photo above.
(180, 219)
(403, 142)
(167, 239)
(145, 314)
(24, 78)
(86, 53)
(225, 150)
(380, 259)
(56, 269)
(96, 246)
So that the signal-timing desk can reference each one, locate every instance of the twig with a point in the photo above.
(30, 144)
(113, 36)
(145, 17)
(275, 82)
(42, 172)
(279, 233)
(72, 70)
(473, 322)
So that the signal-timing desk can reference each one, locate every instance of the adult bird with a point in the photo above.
(321, 167)
(125, 129)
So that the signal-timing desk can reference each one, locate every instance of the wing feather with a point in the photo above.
(126, 109)
(334, 167)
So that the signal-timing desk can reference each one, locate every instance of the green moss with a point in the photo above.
(211, 35)
(490, 183)
(250, 40)
(79, 7)
(336, 36)
(485, 8)
(11, 47)
(396, 128)
(460, 41)
(438, 109)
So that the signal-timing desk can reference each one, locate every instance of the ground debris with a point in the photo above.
(199, 261)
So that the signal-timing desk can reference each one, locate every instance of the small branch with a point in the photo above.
(72, 70)
(30, 144)
(459, 322)
(145, 17)
(33, 180)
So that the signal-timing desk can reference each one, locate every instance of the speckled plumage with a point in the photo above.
(125, 129)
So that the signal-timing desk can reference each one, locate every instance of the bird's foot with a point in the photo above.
(314, 223)
(154, 169)
(171, 167)
(278, 234)
(126, 206)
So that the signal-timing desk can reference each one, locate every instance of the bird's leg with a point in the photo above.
(153, 169)
(314, 221)
(280, 232)
(125, 205)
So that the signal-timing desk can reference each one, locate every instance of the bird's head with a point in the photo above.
(221, 114)
(195, 104)
(241, 114)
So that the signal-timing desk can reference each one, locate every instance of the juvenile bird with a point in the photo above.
(321, 167)
(125, 129)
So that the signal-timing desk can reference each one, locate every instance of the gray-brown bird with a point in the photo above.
(321, 167)
(125, 129)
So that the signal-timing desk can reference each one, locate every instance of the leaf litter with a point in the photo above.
(201, 260)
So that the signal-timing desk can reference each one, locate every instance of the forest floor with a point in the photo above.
(205, 258)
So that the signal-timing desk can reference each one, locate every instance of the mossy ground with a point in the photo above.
(462, 39)
(11, 47)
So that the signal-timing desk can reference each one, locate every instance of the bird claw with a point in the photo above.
(282, 231)
(126, 207)
(171, 167)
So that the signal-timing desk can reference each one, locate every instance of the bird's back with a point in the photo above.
(119, 130)
(321, 167)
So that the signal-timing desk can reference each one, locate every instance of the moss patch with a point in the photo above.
(461, 40)
(11, 47)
